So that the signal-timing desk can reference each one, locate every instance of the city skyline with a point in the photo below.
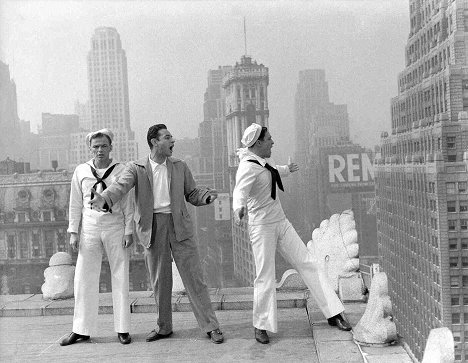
(359, 43)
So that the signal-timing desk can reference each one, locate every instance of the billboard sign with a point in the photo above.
(350, 172)
(222, 207)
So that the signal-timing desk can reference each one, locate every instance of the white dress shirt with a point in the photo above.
(253, 189)
(161, 196)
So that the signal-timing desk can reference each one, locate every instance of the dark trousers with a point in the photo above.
(159, 264)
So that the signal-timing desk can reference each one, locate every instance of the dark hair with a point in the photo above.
(99, 134)
(262, 133)
(153, 133)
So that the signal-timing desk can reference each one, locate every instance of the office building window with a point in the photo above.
(463, 224)
(455, 300)
(11, 246)
(463, 206)
(49, 243)
(452, 225)
(451, 206)
(21, 216)
(36, 247)
(456, 318)
(453, 244)
(464, 243)
(451, 142)
(23, 243)
(450, 188)
(462, 187)
(46, 216)
(453, 261)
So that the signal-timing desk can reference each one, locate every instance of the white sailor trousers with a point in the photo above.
(94, 238)
(282, 235)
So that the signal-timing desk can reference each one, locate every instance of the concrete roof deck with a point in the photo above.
(31, 328)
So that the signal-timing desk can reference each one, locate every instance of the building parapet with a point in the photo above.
(36, 178)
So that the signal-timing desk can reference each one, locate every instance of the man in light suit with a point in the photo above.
(163, 225)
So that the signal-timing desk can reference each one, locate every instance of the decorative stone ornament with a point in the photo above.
(376, 327)
(59, 277)
(439, 347)
(335, 246)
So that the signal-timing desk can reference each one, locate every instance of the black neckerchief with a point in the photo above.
(275, 178)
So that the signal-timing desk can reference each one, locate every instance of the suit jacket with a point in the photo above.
(182, 188)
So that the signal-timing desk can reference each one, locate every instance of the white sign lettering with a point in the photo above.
(350, 168)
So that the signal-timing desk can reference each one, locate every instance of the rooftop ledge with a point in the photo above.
(32, 327)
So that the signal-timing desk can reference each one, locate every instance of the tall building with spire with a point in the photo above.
(108, 91)
(422, 194)
(246, 101)
(214, 222)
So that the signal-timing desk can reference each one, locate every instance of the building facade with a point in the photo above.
(55, 140)
(422, 195)
(318, 123)
(33, 226)
(246, 101)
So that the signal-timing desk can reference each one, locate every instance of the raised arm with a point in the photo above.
(117, 190)
(197, 195)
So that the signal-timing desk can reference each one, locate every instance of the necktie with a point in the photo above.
(100, 181)
(275, 178)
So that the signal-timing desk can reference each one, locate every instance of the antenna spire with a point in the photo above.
(245, 39)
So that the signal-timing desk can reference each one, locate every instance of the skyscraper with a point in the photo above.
(422, 194)
(214, 222)
(108, 91)
(318, 123)
(55, 140)
(246, 101)
(9, 141)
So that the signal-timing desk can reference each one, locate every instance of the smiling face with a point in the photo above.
(163, 144)
(100, 148)
(264, 146)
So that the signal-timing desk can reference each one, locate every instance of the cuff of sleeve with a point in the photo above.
(108, 200)
(72, 230)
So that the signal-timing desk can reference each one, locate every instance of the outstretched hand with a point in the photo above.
(127, 241)
(74, 241)
(97, 202)
(293, 167)
(212, 195)
(239, 215)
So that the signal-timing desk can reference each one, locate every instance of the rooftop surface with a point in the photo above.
(31, 329)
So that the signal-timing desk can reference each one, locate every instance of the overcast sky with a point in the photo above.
(171, 45)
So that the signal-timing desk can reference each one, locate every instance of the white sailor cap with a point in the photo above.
(106, 132)
(251, 134)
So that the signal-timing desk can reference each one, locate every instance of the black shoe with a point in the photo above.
(73, 338)
(261, 336)
(339, 322)
(154, 335)
(216, 336)
(124, 338)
